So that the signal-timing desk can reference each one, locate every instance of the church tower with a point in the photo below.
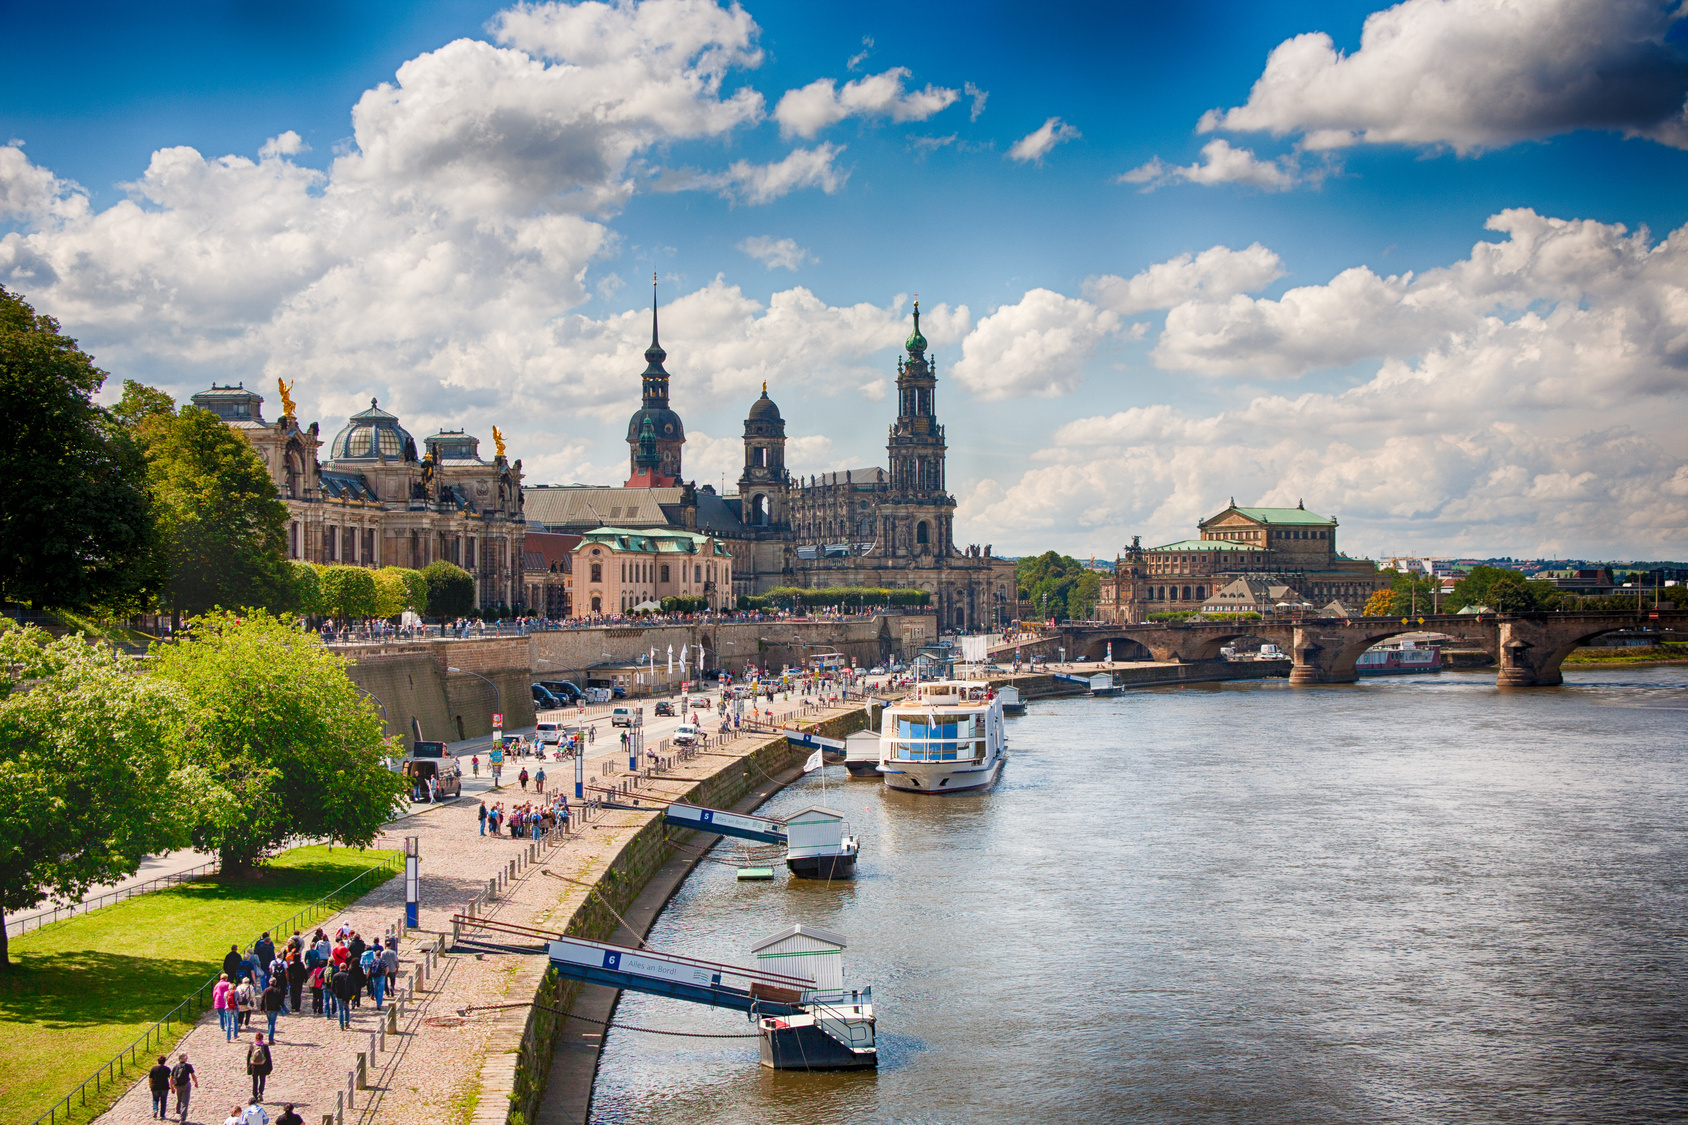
(667, 431)
(764, 484)
(916, 517)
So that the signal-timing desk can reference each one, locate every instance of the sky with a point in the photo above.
(1423, 268)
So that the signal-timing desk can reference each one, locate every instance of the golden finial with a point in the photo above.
(498, 440)
(764, 386)
(286, 398)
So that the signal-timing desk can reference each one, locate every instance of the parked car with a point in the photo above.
(698, 703)
(621, 717)
(563, 690)
(544, 700)
(663, 707)
(685, 734)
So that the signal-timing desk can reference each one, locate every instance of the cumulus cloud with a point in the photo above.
(1529, 397)
(1475, 74)
(804, 112)
(782, 253)
(1215, 273)
(1220, 164)
(744, 181)
(1035, 145)
(1036, 347)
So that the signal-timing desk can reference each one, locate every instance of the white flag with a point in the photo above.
(670, 660)
(683, 662)
(814, 762)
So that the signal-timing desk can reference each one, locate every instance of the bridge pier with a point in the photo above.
(1318, 660)
(1529, 662)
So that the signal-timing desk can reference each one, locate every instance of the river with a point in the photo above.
(1415, 899)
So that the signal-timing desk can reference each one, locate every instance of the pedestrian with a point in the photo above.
(523, 777)
(539, 781)
(483, 818)
(254, 1114)
(232, 962)
(258, 1065)
(296, 974)
(317, 990)
(475, 761)
(222, 999)
(246, 1001)
(390, 962)
(278, 976)
(265, 949)
(344, 989)
(288, 1117)
(184, 1081)
(158, 1081)
(273, 1002)
(377, 974)
(234, 1116)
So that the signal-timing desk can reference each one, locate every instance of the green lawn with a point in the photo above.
(83, 989)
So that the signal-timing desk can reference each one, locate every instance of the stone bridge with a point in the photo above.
(1527, 647)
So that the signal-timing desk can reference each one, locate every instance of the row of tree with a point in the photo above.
(848, 597)
(246, 733)
(350, 593)
(1501, 590)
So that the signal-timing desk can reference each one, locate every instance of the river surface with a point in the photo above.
(1415, 899)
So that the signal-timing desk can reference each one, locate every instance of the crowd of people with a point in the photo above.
(529, 820)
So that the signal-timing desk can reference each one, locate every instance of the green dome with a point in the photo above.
(916, 343)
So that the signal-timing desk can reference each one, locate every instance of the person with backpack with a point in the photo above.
(344, 988)
(246, 1000)
(317, 990)
(273, 1002)
(259, 1063)
(523, 777)
(183, 1080)
(222, 999)
(278, 977)
(158, 1082)
(265, 949)
(369, 972)
(254, 1114)
(296, 974)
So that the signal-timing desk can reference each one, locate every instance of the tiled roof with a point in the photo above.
(1207, 545)
(1298, 517)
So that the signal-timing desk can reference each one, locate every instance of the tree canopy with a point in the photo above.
(1502, 590)
(1070, 588)
(89, 773)
(273, 721)
(222, 526)
(451, 589)
(348, 593)
(76, 525)
(399, 588)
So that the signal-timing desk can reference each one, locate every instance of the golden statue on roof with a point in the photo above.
(498, 440)
(286, 397)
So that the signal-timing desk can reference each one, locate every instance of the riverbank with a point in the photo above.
(1138, 674)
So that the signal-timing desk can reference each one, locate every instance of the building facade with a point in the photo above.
(373, 501)
(1284, 553)
(874, 526)
(620, 569)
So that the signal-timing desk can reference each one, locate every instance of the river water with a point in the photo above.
(1415, 899)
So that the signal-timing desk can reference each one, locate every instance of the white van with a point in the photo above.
(685, 735)
(548, 732)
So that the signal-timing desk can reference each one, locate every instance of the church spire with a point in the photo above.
(654, 355)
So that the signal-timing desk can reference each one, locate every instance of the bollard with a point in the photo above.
(372, 1047)
(392, 1025)
(381, 1035)
(328, 1119)
(340, 1108)
(351, 1078)
(360, 1072)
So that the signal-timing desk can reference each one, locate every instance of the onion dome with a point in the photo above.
(916, 343)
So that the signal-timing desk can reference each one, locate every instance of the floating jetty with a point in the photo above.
(816, 845)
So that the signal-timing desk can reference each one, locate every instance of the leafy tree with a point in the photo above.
(142, 404)
(349, 592)
(223, 528)
(76, 524)
(399, 588)
(274, 721)
(307, 587)
(684, 603)
(1409, 595)
(451, 589)
(1379, 604)
(1058, 585)
(1502, 590)
(87, 770)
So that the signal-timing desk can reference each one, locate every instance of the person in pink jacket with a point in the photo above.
(228, 1016)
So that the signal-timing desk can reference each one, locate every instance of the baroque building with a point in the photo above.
(889, 526)
(375, 502)
(1290, 553)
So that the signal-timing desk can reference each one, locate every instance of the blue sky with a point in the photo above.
(1117, 357)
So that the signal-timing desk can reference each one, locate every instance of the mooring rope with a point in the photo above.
(471, 1009)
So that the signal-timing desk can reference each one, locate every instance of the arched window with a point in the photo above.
(920, 532)
(597, 604)
(759, 513)
(597, 575)
(1201, 593)
(759, 458)
(664, 572)
(1186, 593)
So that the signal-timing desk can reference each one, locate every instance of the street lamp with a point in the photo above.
(498, 696)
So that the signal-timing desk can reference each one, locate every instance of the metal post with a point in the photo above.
(412, 859)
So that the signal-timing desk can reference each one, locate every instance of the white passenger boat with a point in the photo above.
(946, 737)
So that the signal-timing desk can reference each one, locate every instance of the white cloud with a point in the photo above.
(804, 112)
(1528, 398)
(860, 56)
(747, 182)
(1036, 144)
(783, 253)
(1036, 347)
(979, 98)
(1474, 74)
(1220, 164)
(1215, 273)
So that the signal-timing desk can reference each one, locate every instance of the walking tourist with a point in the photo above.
(254, 1113)
(246, 1000)
(523, 777)
(296, 974)
(475, 763)
(258, 1065)
(233, 962)
(289, 1117)
(265, 949)
(184, 1081)
(222, 999)
(344, 989)
(319, 992)
(483, 818)
(158, 1081)
(272, 1002)
(234, 1116)
(539, 781)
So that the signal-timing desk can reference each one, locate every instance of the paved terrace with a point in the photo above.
(433, 1066)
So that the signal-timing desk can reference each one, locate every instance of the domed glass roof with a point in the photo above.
(372, 434)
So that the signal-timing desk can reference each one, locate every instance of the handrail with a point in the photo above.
(117, 895)
(120, 1062)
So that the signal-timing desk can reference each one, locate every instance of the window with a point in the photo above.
(597, 604)
(624, 572)
(330, 540)
(664, 572)
(697, 573)
(920, 533)
(597, 575)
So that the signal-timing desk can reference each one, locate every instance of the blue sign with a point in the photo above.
(495, 756)
(612, 960)
(708, 816)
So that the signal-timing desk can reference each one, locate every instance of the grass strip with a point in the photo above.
(83, 989)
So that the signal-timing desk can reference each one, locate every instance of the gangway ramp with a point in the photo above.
(682, 978)
(739, 825)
